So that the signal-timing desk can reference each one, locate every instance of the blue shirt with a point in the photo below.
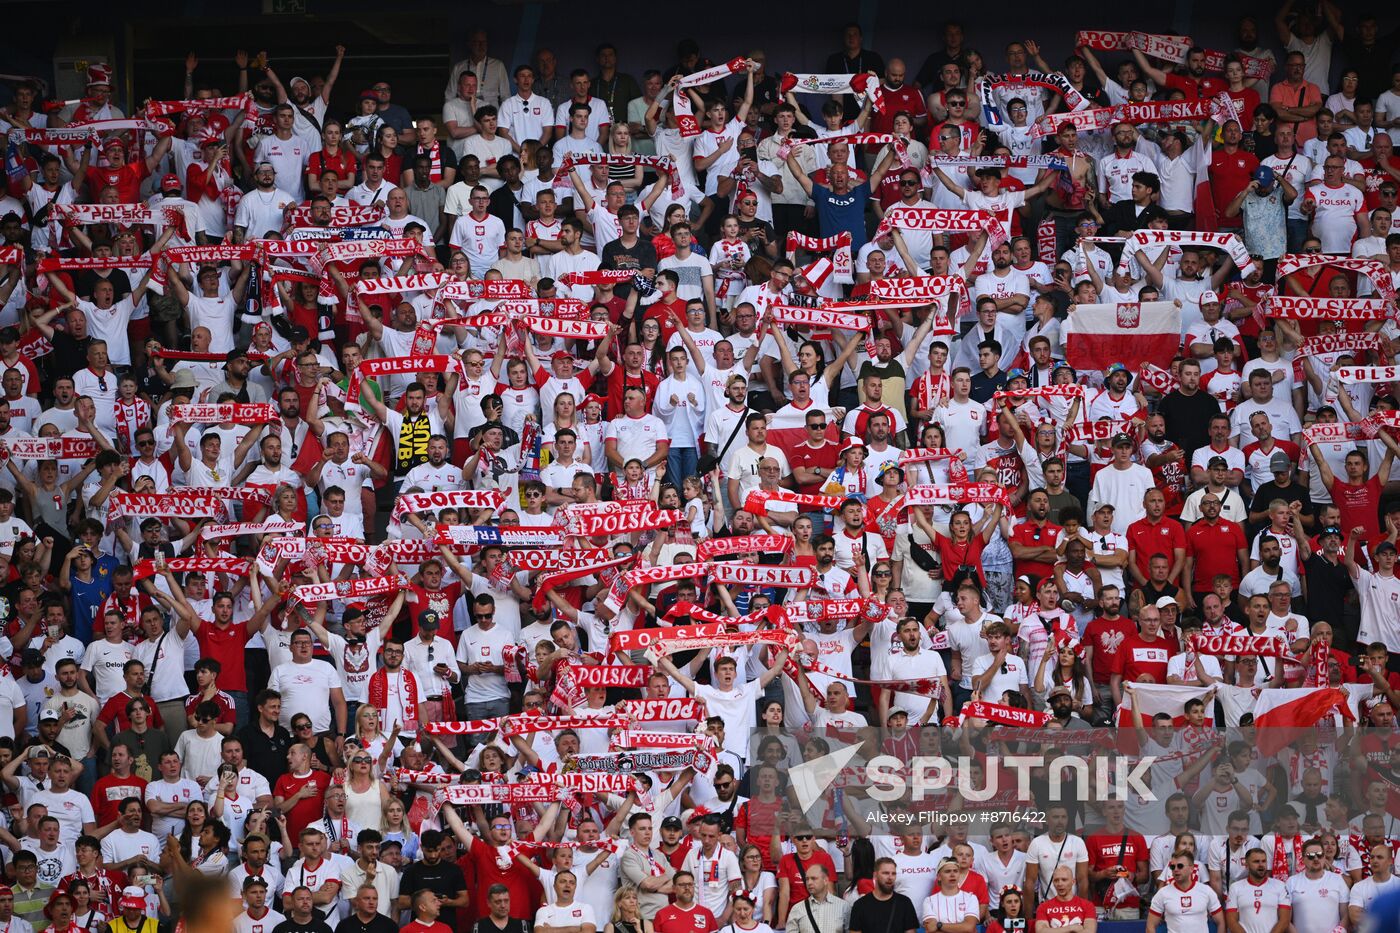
(87, 597)
(838, 212)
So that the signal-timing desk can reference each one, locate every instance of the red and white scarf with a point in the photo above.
(164, 108)
(130, 418)
(862, 85)
(1307, 308)
(354, 215)
(1004, 715)
(957, 471)
(1220, 108)
(942, 220)
(680, 100)
(957, 494)
(239, 529)
(1350, 375)
(743, 544)
(1228, 242)
(163, 505)
(757, 501)
(839, 261)
(349, 589)
(1280, 868)
(234, 566)
(820, 317)
(403, 284)
(235, 412)
(1367, 342)
(410, 502)
(1266, 646)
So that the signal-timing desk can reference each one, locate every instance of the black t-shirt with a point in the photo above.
(1329, 585)
(317, 925)
(266, 755)
(513, 925)
(1293, 492)
(872, 915)
(640, 255)
(69, 355)
(353, 924)
(1188, 419)
(444, 879)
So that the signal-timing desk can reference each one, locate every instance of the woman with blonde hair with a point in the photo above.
(627, 913)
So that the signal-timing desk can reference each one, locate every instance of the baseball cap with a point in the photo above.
(1115, 368)
(1105, 505)
(1015, 373)
(852, 441)
(561, 355)
(133, 898)
(1209, 297)
(1217, 461)
(1383, 547)
(1279, 463)
(1264, 175)
(237, 353)
(299, 334)
(253, 882)
(896, 711)
(672, 822)
(1059, 691)
(169, 181)
(1121, 439)
(1165, 601)
(369, 94)
(1330, 530)
(49, 715)
(428, 619)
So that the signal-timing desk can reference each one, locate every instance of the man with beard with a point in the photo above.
(260, 210)
(884, 908)
(1166, 460)
(409, 430)
(1328, 583)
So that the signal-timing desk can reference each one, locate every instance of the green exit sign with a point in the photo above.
(284, 7)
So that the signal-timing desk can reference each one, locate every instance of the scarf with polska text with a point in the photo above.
(1266, 646)
(957, 470)
(757, 501)
(59, 263)
(393, 365)
(565, 328)
(680, 100)
(763, 575)
(862, 84)
(520, 724)
(193, 357)
(253, 413)
(356, 588)
(125, 215)
(699, 615)
(79, 134)
(675, 709)
(233, 566)
(1171, 48)
(629, 640)
(1308, 308)
(484, 290)
(659, 164)
(1337, 432)
(826, 317)
(1051, 161)
(1229, 242)
(943, 220)
(900, 144)
(1373, 269)
(668, 644)
(49, 448)
(425, 335)
(1098, 431)
(626, 522)
(1052, 81)
(743, 544)
(403, 284)
(624, 676)
(1350, 375)
(1004, 715)
(163, 505)
(359, 250)
(839, 262)
(548, 582)
(552, 560)
(957, 494)
(1038, 392)
(354, 215)
(1220, 108)
(1366, 342)
(447, 499)
(164, 108)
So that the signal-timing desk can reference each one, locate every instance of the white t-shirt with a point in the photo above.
(1334, 221)
(1318, 904)
(288, 158)
(181, 791)
(712, 876)
(949, 908)
(480, 239)
(71, 808)
(1256, 906)
(637, 437)
(575, 915)
(217, 314)
(111, 325)
(708, 142)
(1186, 911)
(477, 645)
(104, 660)
(306, 688)
(1048, 855)
(737, 708)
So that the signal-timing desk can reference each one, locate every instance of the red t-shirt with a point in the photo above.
(1029, 534)
(481, 859)
(809, 457)
(759, 820)
(967, 554)
(1060, 913)
(1246, 99)
(672, 919)
(227, 711)
(1195, 89)
(1146, 539)
(1357, 504)
(110, 791)
(114, 710)
(418, 926)
(343, 163)
(619, 381)
(660, 312)
(440, 601)
(127, 181)
(787, 868)
(226, 646)
(1215, 549)
(1104, 853)
(1229, 174)
(1107, 638)
(306, 809)
(1139, 658)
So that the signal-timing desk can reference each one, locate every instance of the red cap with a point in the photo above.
(588, 399)
(113, 143)
(561, 355)
(168, 182)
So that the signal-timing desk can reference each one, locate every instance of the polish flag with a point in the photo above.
(1132, 333)
(1281, 714)
(1154, 699)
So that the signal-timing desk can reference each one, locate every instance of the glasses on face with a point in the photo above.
(301, 725)
(1313, 855)
(203, 719)
(882, 573)
(146, 443)
(483, 616)
(1179, 866)
(804, 836)
(359, 761)
(724, 786)
(909, 182)
(817, 426)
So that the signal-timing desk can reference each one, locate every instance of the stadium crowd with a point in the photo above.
(467, 520)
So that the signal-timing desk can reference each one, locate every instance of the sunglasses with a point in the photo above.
(359, 761)
(802, 837)
(296, 725)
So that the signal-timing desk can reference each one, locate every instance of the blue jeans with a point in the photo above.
(1297, 233)
(489, 710)
(240, 707)
(680, 463)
